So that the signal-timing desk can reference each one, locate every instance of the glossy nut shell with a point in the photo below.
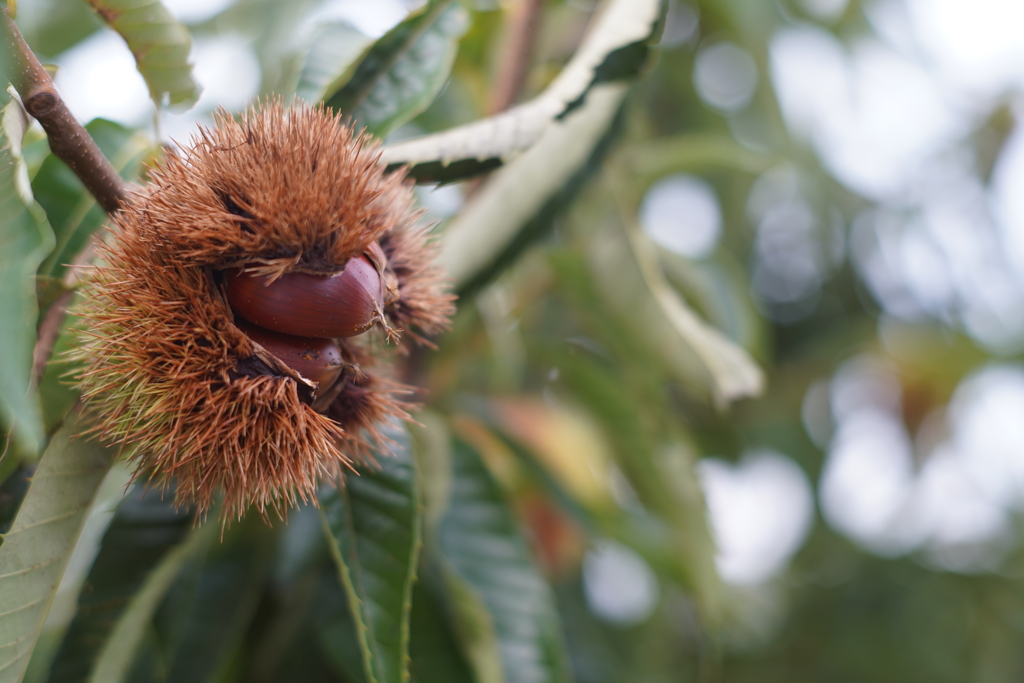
(341, 305)
(318, 360)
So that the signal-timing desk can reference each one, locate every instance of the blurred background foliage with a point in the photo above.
(601, 488)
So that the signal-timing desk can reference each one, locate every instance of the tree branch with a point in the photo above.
(513, 65)
(69, 142)
(516, 51)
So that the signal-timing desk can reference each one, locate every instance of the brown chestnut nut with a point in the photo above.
(318, 360)
(340, 305)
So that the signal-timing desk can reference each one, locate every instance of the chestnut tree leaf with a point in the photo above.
(208, 609)
(140, 555)
(694, 351)
(403, 72)
(434, 653)
(515, 194)
(474, 627)
(160, 44)
(332, 54)
(433, 649)
(374, 527)
(673, 533)
(25, 240)
(491, 563)
(615, 49)
(118, 653)
(36, 550)
(336, 631)
(615, 379)
(66, 24)
(717, 286)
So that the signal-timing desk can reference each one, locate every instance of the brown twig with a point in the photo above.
(516, 52)
(49, 330)
(69, 142)
(53, 319)
(513, 65)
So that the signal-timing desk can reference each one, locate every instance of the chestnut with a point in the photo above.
(342, 304)
(318, 360)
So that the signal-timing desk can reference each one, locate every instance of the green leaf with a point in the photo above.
(118, 653)
(208, 610)
(474, 627)
(160, 44)
(482, 232)
(479, 541)
(25, 240)
(72, 211)
(144, 530)
(432, 647)
(308, 657)
(36, 550)
(691, 349)
(659, 468)
(405, 70)
(374, 528)
(614, 50)
(336, 631)
(334, 48)
(431, 443)
(433, 650)
(720, 290)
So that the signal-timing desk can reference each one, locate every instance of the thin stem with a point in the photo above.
(69, 142)
(513, 65)
(516, 53)
(49, 331)
(53, 319)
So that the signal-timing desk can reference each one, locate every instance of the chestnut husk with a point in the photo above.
(167, 370)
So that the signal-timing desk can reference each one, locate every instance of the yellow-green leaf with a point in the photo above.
(25, 240)
(36, 550)
(693, 350)
(160, 44)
